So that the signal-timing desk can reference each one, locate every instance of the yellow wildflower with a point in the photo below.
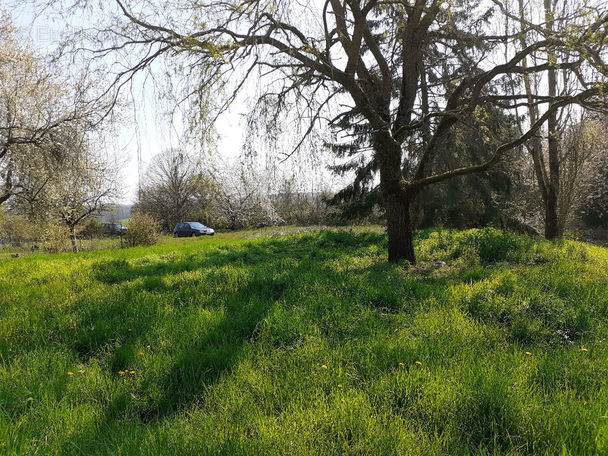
(583, 349)
(81, 371)
(323, 366)
(147, 346)
(528, 353)
(340, 386)
(401, 364)
(121, 372)
(129, 330)
(132, 372)
(419, 363)
(70, 373)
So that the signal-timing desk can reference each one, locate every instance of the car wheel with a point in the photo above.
(193, 234)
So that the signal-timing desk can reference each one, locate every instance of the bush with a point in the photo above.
(91, 229)
(15, 229)
(56, 238)
(143, 230)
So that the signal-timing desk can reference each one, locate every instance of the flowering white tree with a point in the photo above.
(38, 104)
(241, 197)
(85, 184)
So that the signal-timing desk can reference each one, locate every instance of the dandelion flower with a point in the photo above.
(342, 400)
(147, 346)
(132, 372)
(419, 363)
(121, 372)
(129, 330)
(323, 366)
(70, 373)
(81, 371)
(583, 349)
(340, 386)
(528, 353)
(401, 364)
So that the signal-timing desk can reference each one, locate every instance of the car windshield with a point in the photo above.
(196, 225)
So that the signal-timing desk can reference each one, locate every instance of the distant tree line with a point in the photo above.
(177, 188)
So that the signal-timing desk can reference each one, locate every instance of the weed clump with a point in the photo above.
(494, 245)
(485, 245)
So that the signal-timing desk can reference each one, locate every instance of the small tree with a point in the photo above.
(38, 103)
(582, 147)
(170, 188)
(593, 200)
(84, 186)
(241, 198)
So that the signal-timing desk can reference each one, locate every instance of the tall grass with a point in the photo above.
(307, 344)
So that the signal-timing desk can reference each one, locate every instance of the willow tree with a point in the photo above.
(371, 60)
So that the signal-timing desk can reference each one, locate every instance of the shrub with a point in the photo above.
(91, 229)
(56, 238)
(16, 229)
(143, 230)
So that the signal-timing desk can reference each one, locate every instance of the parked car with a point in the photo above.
(114, 229)
(192, 229)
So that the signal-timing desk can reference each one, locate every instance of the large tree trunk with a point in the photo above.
(548, 180)
(552, 230)
(399, 229)
(552, 224)
(396, 201)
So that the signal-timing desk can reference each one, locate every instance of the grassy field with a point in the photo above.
(307, 344)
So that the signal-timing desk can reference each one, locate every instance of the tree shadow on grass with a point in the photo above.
(240, 287)
(245, 282)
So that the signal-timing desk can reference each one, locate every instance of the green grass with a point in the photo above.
(34, 248)
(307, 344)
